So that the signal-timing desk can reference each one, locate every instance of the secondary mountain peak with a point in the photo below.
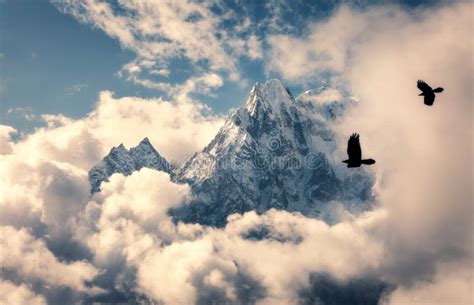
(121, 160)
(145, 142)
(119, 148)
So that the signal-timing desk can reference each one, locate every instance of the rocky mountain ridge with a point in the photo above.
(274, 152)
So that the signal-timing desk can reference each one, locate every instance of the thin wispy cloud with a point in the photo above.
(76, 88)
(162, 32)
(23, 112)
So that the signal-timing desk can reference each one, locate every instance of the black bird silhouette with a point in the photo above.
(428, 92)
(355, 153)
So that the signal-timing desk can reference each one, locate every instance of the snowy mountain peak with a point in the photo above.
(321, 95)
(145, 142)
(121, 160)
(271, 94)
(330, 103)
(275, 152)
(118, 149)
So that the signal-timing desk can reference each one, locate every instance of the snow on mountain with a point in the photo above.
(121, 160)
(272, 153)
(328, 102)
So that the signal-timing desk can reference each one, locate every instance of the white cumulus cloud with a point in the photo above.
(176, 129)
(22, 294)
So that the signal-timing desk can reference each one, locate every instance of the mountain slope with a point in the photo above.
(272, 153)
(121, 160)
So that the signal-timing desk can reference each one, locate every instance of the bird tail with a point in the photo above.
(367, 161)
(421, 94)
(437, 90)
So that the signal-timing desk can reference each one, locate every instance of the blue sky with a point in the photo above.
(54, 61)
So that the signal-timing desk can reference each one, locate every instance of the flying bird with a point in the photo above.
(428, 92)
(355, 153)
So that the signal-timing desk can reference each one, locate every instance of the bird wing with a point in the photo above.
(423, 86)
(353, 147)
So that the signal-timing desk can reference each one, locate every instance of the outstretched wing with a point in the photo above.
(423, 86)
(353, 147)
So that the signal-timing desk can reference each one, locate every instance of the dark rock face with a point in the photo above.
(121, 160)
(273, 153)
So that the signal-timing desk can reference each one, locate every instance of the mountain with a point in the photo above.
(121, 160)
(275, 152)
(328, 102)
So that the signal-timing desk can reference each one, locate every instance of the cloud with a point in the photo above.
(25, 113)
(22, 294)
(377, 54)
(127, 219)
(423, 150)
(158, 278)
(127, 228)
(201, 85)
(254, 47)
(5, 144)
(31, 261)
(331, 46)
(327, 95)
(41, 201)
(46, 192)
(283, 268)
(76, 88)
(176, 129)
(451, 285)
(189, 264)
(40, 192)
(325, 48)
(129, 205)
(160, 32)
